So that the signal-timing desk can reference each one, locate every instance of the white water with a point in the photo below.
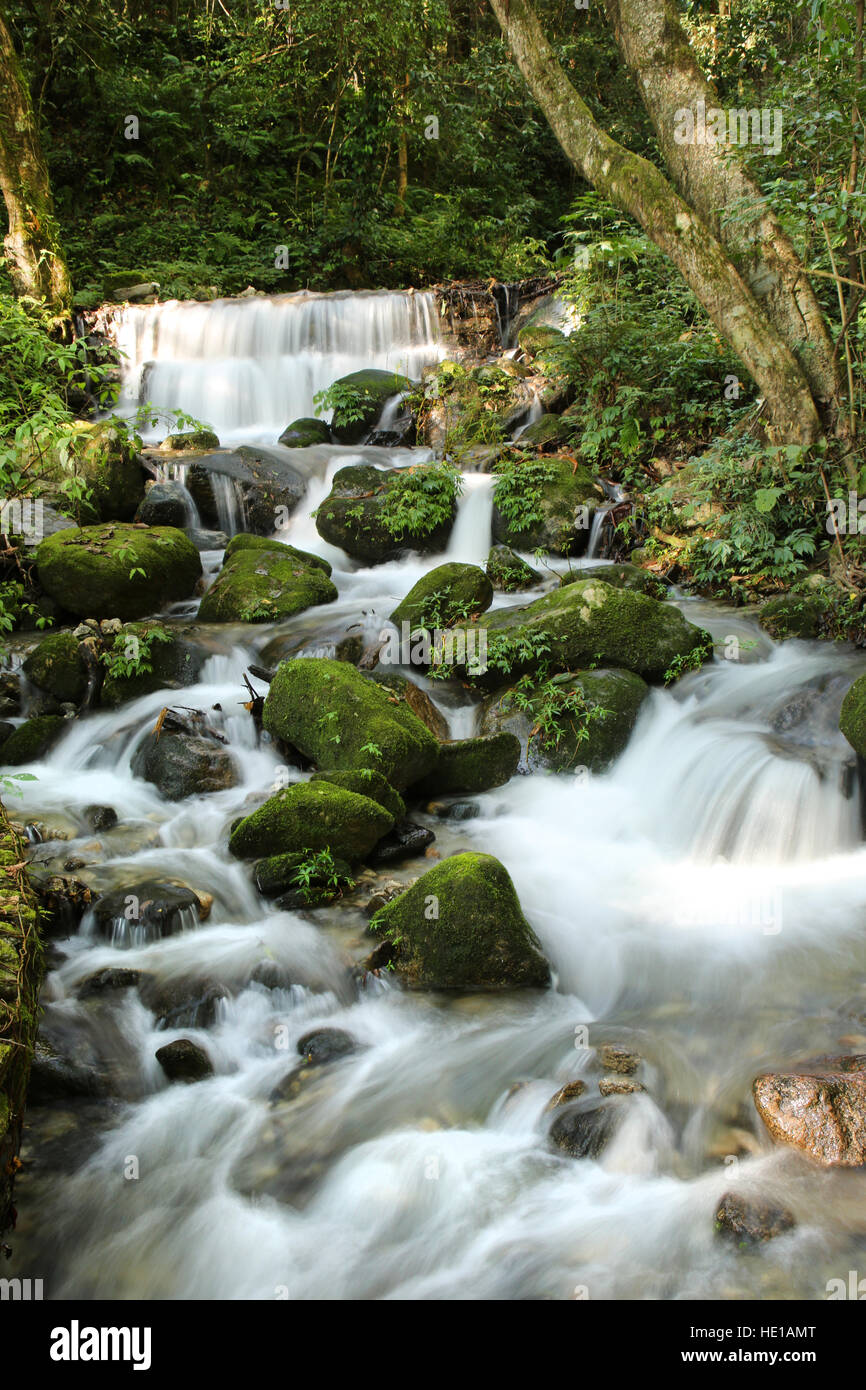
(248, 367)
(704, 902)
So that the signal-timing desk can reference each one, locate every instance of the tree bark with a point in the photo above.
(712, 180)
(34, 255)
(641, 190)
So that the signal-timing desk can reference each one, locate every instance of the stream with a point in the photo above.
(702, 903)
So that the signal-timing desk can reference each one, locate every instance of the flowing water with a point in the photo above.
(703, 902)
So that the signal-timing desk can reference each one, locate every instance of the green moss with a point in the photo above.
(543, 504)
(473, 765)
(57, 667)
(508, 572)
(461, 927)
(538, 338)
(558, 739)
(312, 816)
(341, 719)
(101, 460)
(359, 400)
(852, 719)
(32, 740)
(374, 514)
(622, 576)
(265, 583)
(447, 594)
(280, 873)
(245, 540)
(366, 782)
(199, 440)
(174, 664)
(116, 571)
(587, 624)
(793, 615)
(303, 433)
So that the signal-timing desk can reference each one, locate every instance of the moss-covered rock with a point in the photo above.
(793, 615)
(366, 782)
(32, 740)
(303, 433)
(100, 459)
(547, 430)
(196, 441)
(415, 699)
(312, 816)
(587, 623)
(341, 719)
(280, 873)
(447, 594)
(115, 571)
(473, 765)
(544, 504)
(508, 572)
(264, 582)
(557, 737)
(366, 394)
(375, 514)
(621, 576)
(175, 662)
(852, 719)
(461, 926)
(536, 338)
(57, 667)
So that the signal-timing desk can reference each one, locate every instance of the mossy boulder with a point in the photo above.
(793, 615)
(365, 512)
(547, 430)
(621, 576)
(341, 719)
(312, 816)
(115, 571)
(852, 719)
(461, 926)
(612, 701)
(366, 394)
(473, 765)
(101, 459)
(195, 441)
(175, 661)
(589, 622)
(544, 504)
(537, 338)
(415, 699)
(448, 594)
(279, 874)
(263, 581)
(303, 433)
(57, 667)
(508, 572)
(366, 782)
(32, 740)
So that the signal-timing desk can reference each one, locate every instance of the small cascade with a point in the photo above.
(248, 367)
(601, 522)
(175, 472)
(471, 536)
(229, 504)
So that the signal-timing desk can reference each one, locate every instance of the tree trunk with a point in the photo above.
(32, 244)
(641, 190)
(711, 179)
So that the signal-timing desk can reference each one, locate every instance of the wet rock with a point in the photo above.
(57, 666)
(311, 816)
(572, 1090)
(182, 1003)
(181, 763)
(313, 702)
(447, 595)
(385, 893)
(261, 482)
(279, 873)
(508, 573)
(415, 699)
(371, 389)
(108, 981)
(585, 1133)
(405, 840)
(197, 440)
(184, 1060)
(165, 504)
(100, 817)
(819, 1108)
(174, 658)
(207, 540)
(145, 911)
(32, 739)
(117, 571)
(751, 1221)
(460, 926)
(265, 581)
(358, 515)
(852, 719)
(62, 898)
(55, 1076)
(102, 456)
(793, 615)
(457, 810)
(366, 782)
(623, 1060)
(303, 433)
(472, 765)
(323, 1045)
(558, 519)
(619, 1086)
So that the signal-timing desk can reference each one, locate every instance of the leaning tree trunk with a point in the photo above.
(32, 244)
(641, 190)
(712, 180)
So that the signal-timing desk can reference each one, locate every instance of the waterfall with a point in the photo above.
(470, 539)
(229, 504)
(248, 367)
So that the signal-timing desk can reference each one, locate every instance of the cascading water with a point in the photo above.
(248, 367)
(704, 902)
